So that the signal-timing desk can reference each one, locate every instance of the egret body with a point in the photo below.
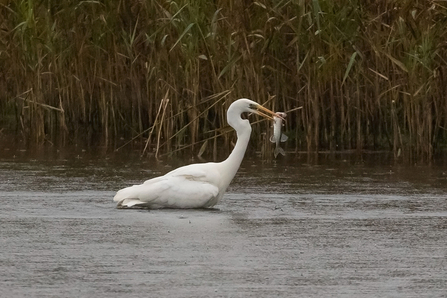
(197, 185)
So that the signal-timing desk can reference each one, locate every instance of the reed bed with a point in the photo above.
(370, 75)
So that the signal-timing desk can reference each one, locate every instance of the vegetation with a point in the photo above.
(368, 74)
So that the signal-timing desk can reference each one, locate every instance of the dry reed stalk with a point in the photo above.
(164, 104)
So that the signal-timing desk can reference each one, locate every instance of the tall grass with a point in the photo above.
(369, 74)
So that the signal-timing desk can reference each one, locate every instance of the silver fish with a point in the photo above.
(278, 136)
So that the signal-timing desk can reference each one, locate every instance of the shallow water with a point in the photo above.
(329, 228)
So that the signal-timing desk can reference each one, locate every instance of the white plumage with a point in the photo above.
(197, 185)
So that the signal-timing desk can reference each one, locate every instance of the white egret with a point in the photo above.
(196, 185)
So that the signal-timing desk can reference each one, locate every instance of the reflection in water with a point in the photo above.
(293, 174)
(334, 227)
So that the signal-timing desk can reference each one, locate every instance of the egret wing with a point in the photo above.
(194, 172)
(169, 191)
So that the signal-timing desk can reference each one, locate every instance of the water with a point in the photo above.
(328, 228)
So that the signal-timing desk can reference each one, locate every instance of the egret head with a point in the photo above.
(246, 105)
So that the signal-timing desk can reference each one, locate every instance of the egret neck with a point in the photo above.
(232, 163)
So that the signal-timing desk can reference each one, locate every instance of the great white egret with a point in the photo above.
(197, 185)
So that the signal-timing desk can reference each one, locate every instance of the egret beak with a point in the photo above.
(266, 113)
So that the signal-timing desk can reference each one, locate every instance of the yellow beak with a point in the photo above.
(264, 112)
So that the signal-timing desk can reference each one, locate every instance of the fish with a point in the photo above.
(278, 136)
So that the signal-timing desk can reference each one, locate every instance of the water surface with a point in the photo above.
(336, 227)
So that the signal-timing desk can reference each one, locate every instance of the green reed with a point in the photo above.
(369, 76)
